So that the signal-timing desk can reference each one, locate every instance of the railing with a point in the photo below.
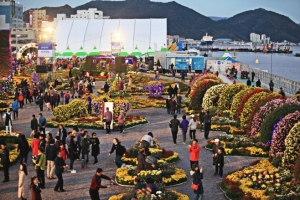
(289, 86)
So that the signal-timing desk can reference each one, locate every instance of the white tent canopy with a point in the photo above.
(90, 33)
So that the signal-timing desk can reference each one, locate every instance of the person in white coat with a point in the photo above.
(193, 126)
(23, 186)
(8, 121)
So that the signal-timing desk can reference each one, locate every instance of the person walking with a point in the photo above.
(258, 83)
(193, 126)
(51, 151)
(96, 184)
(220, 161)
(23, 182)
(5, 162)
(15, 108)
(215, 154)
(23, 147)
(73, 153)
(174, 125)
(271, 85)
(67, 97)
(42, 123)
(175, 90)
(248, 82)
(108, 118)
(121, 121)
(207, 124)
(170, 91)
(89, 101)
(8, 121)
(194, 150)
(21, 99)
(197, 180)
(179, 102)
(173, 105)
(120, 151)
(34, 123)
(60, 165)
(95, 147)
(85, 148)
(252, 76)
(106, 87)
(35, 189)
(201, 116)
(40, 101)
(40, 165)
(35, 145)
(62, 133)
(168, 106)
(184, 127)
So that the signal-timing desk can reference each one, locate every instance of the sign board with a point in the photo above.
(45, 50)
(219, 62)
(198, 64)
(30, 19)
(182, 63)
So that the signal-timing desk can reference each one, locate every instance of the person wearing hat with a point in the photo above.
(193, 126)
(197, 180)
(215, 154)
(96, 184)
(5, 161)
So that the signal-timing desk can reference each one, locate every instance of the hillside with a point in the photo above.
(188, 23)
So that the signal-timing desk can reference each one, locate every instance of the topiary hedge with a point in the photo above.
(236, 101)
(210, 94)
(273, 118)
(76, 108)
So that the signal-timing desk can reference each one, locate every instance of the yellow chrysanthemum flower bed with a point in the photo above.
(252, 150)
(125, 196)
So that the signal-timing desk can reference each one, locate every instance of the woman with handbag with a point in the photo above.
(197, 182)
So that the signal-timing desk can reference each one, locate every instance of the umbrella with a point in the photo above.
(150, 51)
(81, 53)
(136, 52)
(67, 53)
(94, 52)
(123, 52)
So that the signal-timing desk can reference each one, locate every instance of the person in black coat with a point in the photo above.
(141, 158)
(73, 153)
(120, 151)
(5, 162)
(170, 91)
(106, 87)
(34, 123)
(248, 82)
(168, 106)
(197, 180)
(60, 165)
(62, 133)
(220, 161)
(258, 83)
(95, 147)
(23, 147)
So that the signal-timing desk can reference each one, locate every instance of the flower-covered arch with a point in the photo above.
(236, 101)
(227, 95)
(211, 94)
(282, 130)
(292, 146)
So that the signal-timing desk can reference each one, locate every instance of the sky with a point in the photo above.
(219, 8)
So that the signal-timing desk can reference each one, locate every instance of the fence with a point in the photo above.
(290, 87)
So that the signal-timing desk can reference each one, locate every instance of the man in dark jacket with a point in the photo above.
(85, 148)
(174, 125)
(62, 133)
(5, 162)
(51, 151)
(249, 82)
(179, 101)
(34, 123)
(42, 123)
(106, 87)
(258, 83)
(96, 184)
(60, 165)
(207, 124)
(173, 105)
(168, 106)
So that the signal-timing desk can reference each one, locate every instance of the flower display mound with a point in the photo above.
(292, 146)
(261, 180)
(198, 91)
(236, 101)
(3, 95)
(198, 76)
(265, 110)
(145, 194)
(211, 94)
(204, 77)
(248, 106)
(255, 109)
(163, 156)
(155, 88)
(240, 145)
(296, 96)
(140, 102)
(166, 174)
(272, 120)
(282, 130)
(226, 96)
(244, 100)
(92, 122)
(76, 108)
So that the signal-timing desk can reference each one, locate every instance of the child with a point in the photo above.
(62, 151)
(35, 189)
(220, 161)
(48, 106)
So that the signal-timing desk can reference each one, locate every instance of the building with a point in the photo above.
(91, 13)
(6, 19)
(22, 36)
(259, 39)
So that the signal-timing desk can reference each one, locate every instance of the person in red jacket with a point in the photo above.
(62, 151)
(35, 145)
(194, 150)
(96, 184)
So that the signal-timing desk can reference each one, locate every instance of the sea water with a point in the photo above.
(285, 65)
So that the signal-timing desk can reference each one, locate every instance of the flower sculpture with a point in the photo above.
(97, 107)
(292, 146)
(210, 94)
(155, 88)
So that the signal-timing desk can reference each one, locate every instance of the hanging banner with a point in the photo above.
(30, 19)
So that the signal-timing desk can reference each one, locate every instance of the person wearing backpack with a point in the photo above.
(120, 151)
(67, 97)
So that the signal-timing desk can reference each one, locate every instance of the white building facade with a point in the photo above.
(6, 21)
(91, 13)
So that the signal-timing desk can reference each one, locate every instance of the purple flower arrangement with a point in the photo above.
(97, 107)
(155, 89)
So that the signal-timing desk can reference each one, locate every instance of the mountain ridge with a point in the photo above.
(188, 23)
